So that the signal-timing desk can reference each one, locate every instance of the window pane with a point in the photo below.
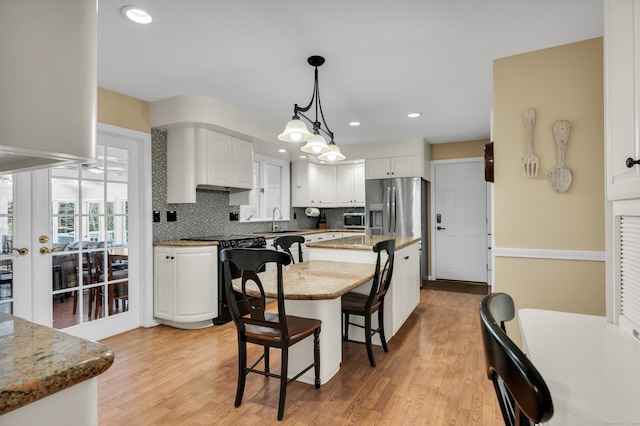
(272, 189)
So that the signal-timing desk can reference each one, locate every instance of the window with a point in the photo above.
(270, 191)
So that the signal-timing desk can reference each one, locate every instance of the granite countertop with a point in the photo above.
(363, 242)
(266, 234)
(314, 280)
(38, 361)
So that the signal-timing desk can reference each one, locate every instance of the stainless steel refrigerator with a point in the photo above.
(398, 207)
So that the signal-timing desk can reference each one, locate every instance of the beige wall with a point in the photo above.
(561, 83)
(123, 111)
(453, 150)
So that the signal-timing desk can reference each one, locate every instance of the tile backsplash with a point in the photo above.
(210, 214)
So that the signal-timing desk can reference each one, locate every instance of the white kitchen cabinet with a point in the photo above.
(622, 77)
(390, 167)
(198, 156)
(304, 188)
(350, 185)
(48, 106)
(326, 182)
(405, 285)
(185, 285)
(229, 161)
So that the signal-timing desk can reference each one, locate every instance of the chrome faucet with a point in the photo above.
(273, 218)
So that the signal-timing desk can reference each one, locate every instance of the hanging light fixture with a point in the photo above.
(296, 130)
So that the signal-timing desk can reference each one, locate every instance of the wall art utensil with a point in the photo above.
(560, 176)
(530, 162)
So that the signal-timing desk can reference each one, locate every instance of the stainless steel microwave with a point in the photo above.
(353, 220)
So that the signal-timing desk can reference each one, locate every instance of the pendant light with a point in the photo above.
(296, 130)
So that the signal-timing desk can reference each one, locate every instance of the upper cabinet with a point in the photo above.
(48, 106)
(316, 185)
(390, 167)
(206, 158)
(622, 99)
(350, 186)
(222, 160)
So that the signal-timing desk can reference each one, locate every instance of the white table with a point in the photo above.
(592, 367)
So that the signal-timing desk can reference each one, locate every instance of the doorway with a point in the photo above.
(74, 248)
(459, 220)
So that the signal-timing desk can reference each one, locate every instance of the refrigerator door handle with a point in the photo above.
(392, 221)
(388, 205)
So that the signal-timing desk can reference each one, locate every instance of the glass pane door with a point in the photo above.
(6, 235)
(89, 239)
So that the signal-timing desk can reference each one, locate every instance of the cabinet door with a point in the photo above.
(378, 168)
(345, 185)
(163, 277)
(242, 164)
(358, 185)
(304, 184)
(405, 166)
(196, 283)
(220, 156)
(181, 184)
(622, 27)
(327, 186)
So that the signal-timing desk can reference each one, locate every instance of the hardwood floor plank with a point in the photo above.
(432, 375)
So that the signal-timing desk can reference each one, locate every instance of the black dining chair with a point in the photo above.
(522, 393)
(366, 305)
(285, 242)
(268, 329)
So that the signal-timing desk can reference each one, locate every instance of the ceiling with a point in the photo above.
(384, 59)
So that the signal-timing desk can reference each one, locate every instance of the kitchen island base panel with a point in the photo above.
(301, 354)
(76, 405)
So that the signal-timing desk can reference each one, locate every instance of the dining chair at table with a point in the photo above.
(267, 329)
(522, 393)
(285, 242)
(366, 305)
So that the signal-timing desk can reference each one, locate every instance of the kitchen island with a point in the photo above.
(48, 376)
(313, 289)
(404, 293)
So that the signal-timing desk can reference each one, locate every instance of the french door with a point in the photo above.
(71, 241)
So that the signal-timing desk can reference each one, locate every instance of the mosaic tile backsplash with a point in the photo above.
(210, 214)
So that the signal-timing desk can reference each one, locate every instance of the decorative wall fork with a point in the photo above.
(530, 162)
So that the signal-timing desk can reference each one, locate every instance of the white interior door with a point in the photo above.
(82, 227)
(460, 221)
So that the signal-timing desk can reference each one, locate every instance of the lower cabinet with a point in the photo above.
(185, 285)
(405, 285)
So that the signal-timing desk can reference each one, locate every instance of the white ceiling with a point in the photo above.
(383, 58)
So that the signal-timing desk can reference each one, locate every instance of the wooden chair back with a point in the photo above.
(522, 392)
(382, 277)
(285, 242)
(250, 261)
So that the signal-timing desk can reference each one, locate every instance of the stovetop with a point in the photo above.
(226, 241)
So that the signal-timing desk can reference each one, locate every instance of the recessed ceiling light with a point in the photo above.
(414, 114)
(303, 156)
(282, 150)
(354, 123)
(136, 14)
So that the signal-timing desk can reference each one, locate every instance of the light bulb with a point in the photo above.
(316, 149)
(296, 136)
(331, 157)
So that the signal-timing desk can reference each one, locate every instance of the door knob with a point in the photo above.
(21, 251)
(45, 250)
(440, 228)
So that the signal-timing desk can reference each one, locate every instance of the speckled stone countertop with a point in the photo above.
(314, 280)
(362, 242)
(38, 361)
(183, 243)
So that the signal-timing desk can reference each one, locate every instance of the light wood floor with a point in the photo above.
(433, 375)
